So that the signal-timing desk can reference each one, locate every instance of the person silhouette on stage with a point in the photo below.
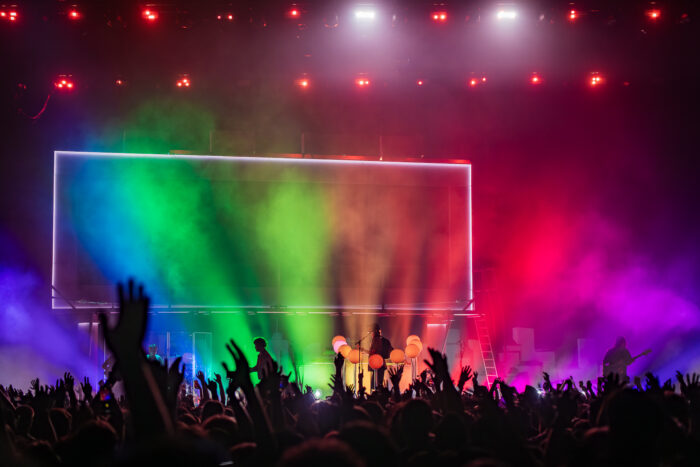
(618, 358)
(380, 345)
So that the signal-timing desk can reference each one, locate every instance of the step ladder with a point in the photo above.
(482, 333)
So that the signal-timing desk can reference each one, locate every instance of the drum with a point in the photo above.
(352, 374)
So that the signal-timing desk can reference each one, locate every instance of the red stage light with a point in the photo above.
(74, 14)
(303, 83)
(595, 80)
(483, 79)
(362, 82)
(573, 15)
(473, 82)
(439, 16)
(294, 13)
(229, 17)
(183, 82)
(419, 82)
(10, 15)
(654, 14)
(150, 15)
(119, 82)
(63, 84)
(535, 79)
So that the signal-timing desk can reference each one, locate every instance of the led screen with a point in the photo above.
(210, 231)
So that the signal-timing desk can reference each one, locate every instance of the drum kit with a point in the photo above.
(359, 364)
(352, 372)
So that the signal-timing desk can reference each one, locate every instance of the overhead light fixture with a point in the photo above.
(150, 15)
(365, 14)
(439, 16)
(183, 82)
(64, 83)
(654, 14)
(506, 15)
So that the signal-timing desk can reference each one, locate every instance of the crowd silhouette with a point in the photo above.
(434, 422)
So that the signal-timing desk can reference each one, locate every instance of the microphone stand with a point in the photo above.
(359, 352)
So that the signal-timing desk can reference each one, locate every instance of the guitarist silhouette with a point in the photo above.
(619, 358)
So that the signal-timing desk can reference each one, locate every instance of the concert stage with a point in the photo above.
(294, 248)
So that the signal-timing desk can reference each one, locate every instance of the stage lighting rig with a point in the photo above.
(476, 80)
(535, 79)
(506, 14)
(294, 12)
(74, 14)
(183, 82)
(303, 82)
(362, 82)
(595, 79)
(365, 14)
(654, 14)
(439, 16)
(64, 83)
(573, 15)
(225, 17)
(9, 14)
(149, 14)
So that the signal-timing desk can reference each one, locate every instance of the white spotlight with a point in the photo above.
(506, 14)
(365, 14)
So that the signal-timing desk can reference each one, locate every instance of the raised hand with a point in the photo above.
(87, 389)
(69, 381)
(547, 385)
(589, 388)
(464, 376)
(274, 378)
(212, 386)
(569, 384)
(668, 385)
(652, 380)
(240, 377)
(126, 337)
(690, 387)
(613, 382)
(35, 385)
(149, 410)
(173, 382)
(395, 374)
(203, 385)
(439, 367)
(508, 393)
